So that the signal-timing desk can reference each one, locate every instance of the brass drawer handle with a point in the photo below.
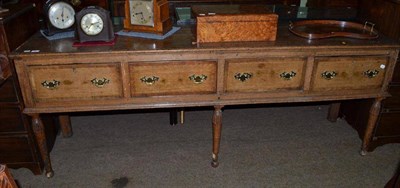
(371, 73)
(328, 75)
(243, 76)
(100, 82)
(198, 79)
(149, 80)
(287, 75)
(51, 84)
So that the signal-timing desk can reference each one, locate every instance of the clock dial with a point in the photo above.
(92, 24)
(142, 12)
(61, 15)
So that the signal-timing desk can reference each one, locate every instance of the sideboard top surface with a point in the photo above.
(183, 40)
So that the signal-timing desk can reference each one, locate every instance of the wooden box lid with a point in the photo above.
(234, 23)
(202, 10)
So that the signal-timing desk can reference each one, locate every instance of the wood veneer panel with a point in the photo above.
(173, 78)
(75, 81)
(228, 28)
(265, 74)
(350, 73)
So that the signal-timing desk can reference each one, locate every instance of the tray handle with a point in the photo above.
(370, 24)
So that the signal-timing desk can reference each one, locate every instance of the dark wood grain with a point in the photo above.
(385, 15)
(17, 145)
(332, 3)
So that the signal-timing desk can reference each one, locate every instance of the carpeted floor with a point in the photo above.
(291, 146)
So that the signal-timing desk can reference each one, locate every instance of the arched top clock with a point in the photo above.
(94, 24)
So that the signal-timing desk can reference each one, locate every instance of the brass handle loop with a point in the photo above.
(149, 80)
(243, 76)
(372, 25)
(371, 73)
(287, 75)
(198, 79)
(51, 84)
(328, 75)
(100, 82)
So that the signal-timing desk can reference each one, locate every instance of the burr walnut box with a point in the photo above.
(234, 23)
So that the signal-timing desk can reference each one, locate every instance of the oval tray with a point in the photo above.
(318, 29)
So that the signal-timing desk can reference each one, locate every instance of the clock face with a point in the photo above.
(61, 15)
(141, 12)
(92, 24)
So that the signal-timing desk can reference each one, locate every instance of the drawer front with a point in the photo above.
(11, 120)
(70, 82)
(15, 149)
(349, 73)
(173, 78)
(258, 75)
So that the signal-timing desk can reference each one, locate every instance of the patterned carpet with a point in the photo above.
(280, 146)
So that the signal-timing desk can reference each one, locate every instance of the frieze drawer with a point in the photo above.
(75, 82)
(259, 75)
(172, 78)
(349, 73)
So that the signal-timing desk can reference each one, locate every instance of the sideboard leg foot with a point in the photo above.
(214, 162)
(373, 117)
(216, 129)
(40, 135)
(49, 174)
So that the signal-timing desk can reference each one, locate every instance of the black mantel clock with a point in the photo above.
(94, 24)
(59, 15)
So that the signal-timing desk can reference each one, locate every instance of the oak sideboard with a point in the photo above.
(138, 73)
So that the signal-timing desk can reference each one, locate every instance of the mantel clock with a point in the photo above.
(147, 16)
(94, 24)
(60, 16)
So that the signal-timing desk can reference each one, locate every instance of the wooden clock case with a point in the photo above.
(106, 35)
(162, 20)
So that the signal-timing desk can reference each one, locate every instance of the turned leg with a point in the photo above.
(173, 116)
(40, 135)
(65, 125)
(182, 116)
(216, 129)
(373, 117)
(333, 113)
